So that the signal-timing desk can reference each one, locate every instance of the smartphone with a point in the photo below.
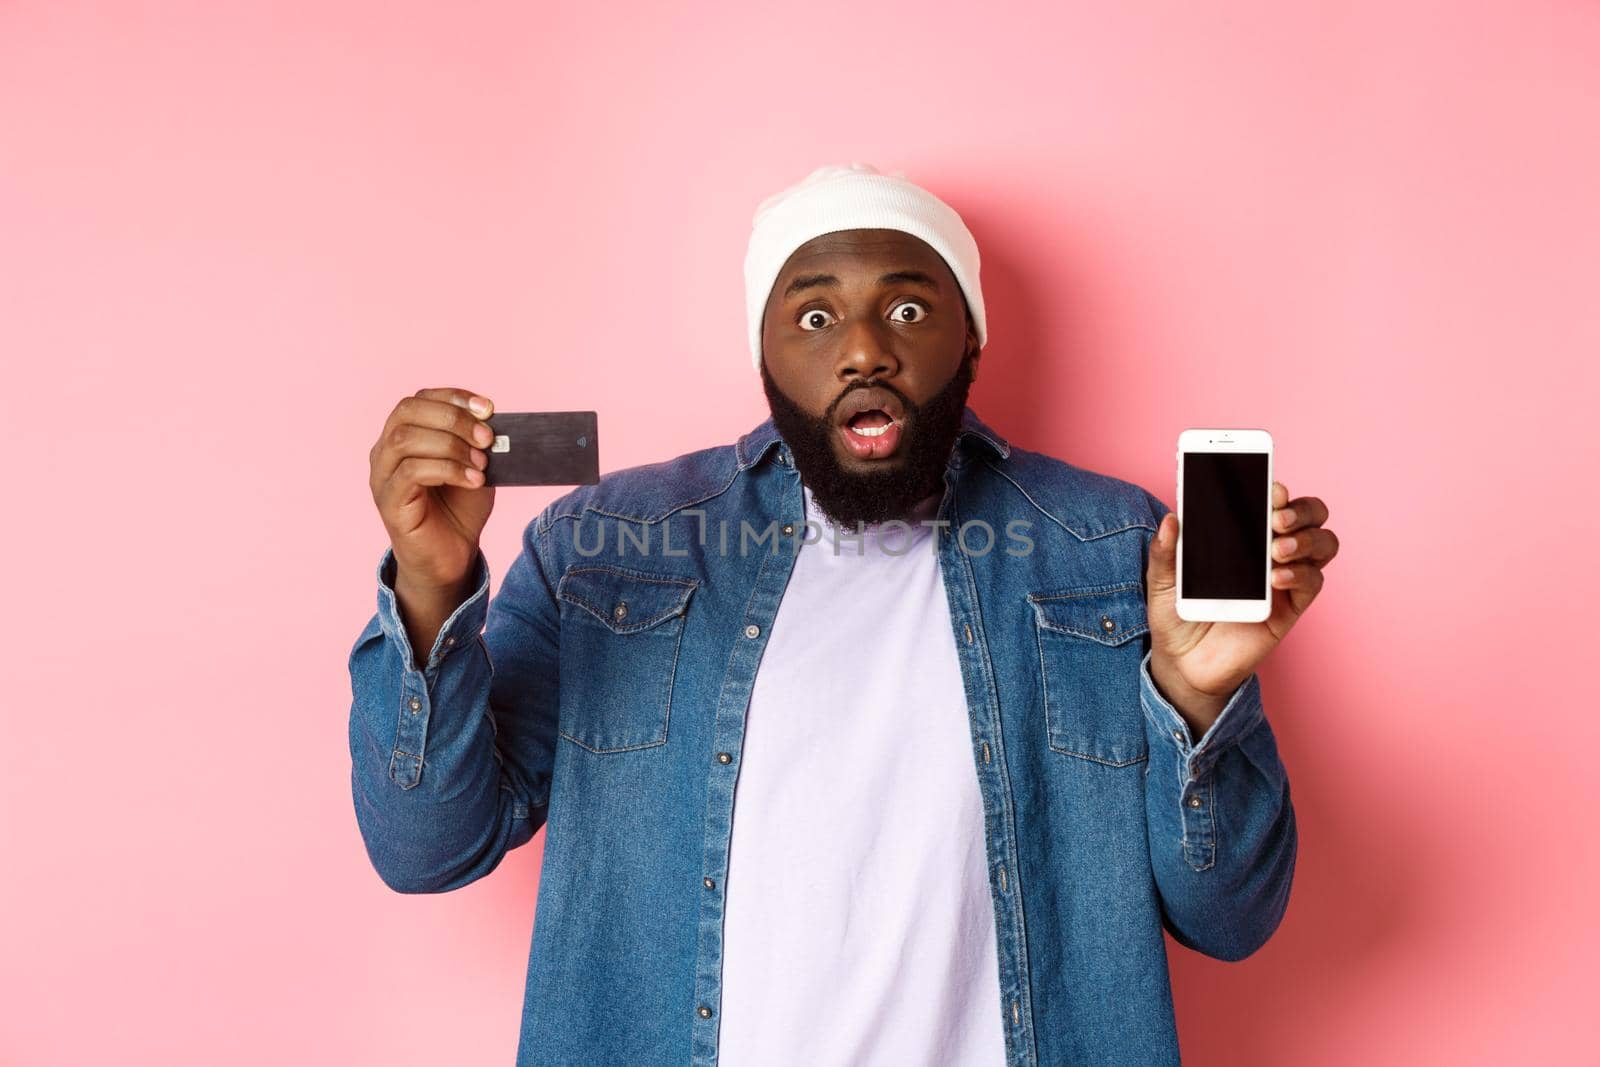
(1224, 525)
(543, 448)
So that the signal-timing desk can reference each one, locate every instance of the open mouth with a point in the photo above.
(870, 424)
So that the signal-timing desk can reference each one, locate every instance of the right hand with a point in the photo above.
(427, 480)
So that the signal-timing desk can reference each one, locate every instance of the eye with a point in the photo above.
(810, 317)
(899, 311)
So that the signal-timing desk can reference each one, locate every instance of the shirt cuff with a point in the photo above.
(463, 624)
(1242, 713)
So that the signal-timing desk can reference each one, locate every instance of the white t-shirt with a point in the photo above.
(859, 925)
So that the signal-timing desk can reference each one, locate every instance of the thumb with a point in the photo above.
(1161, 572)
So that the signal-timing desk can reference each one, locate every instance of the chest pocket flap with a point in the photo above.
(1089, 670)
(619, 655)
(625, 601)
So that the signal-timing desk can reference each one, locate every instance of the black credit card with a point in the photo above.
(543, 448)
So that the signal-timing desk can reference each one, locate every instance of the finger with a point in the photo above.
(1302, 511)
(1302, 581)
(444, 409)
(1161, 570)
(437, 414)
(1280, 494)
(415, 471)
(476, 403)
(1312, 544)
(411, 440)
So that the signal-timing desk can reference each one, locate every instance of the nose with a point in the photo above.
(865, 355)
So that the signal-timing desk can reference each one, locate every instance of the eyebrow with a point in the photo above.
(913, 277)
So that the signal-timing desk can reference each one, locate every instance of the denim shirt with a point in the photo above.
(601, 694)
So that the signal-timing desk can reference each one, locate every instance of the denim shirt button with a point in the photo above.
(416, 705)
(752, 630)
(1107, 624)
(788, 528)
(723, 757)
(1177, 735)
(705, 1012)
(449, 641)
(710, 884)
(620, 612)
(1194, 802)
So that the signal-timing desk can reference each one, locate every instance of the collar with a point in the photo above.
(973, 434)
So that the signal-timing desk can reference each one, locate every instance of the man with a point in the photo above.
(867, 739)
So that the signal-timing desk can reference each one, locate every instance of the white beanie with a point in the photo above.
(838, 197)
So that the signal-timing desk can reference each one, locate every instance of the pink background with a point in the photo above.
(231, 240)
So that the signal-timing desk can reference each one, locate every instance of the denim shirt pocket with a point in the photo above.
(1089, 670)
(620, 633)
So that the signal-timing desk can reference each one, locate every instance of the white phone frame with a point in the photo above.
(1203, 609)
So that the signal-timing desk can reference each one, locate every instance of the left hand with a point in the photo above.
(1198, 665)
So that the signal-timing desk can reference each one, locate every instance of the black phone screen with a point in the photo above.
(1224, 531)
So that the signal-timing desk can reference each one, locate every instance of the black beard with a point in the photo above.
(891, 488)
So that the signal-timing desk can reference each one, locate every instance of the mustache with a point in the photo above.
(905, 401)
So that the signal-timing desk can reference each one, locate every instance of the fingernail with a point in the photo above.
(1288, 517)
(483, 434)
(479, 405)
